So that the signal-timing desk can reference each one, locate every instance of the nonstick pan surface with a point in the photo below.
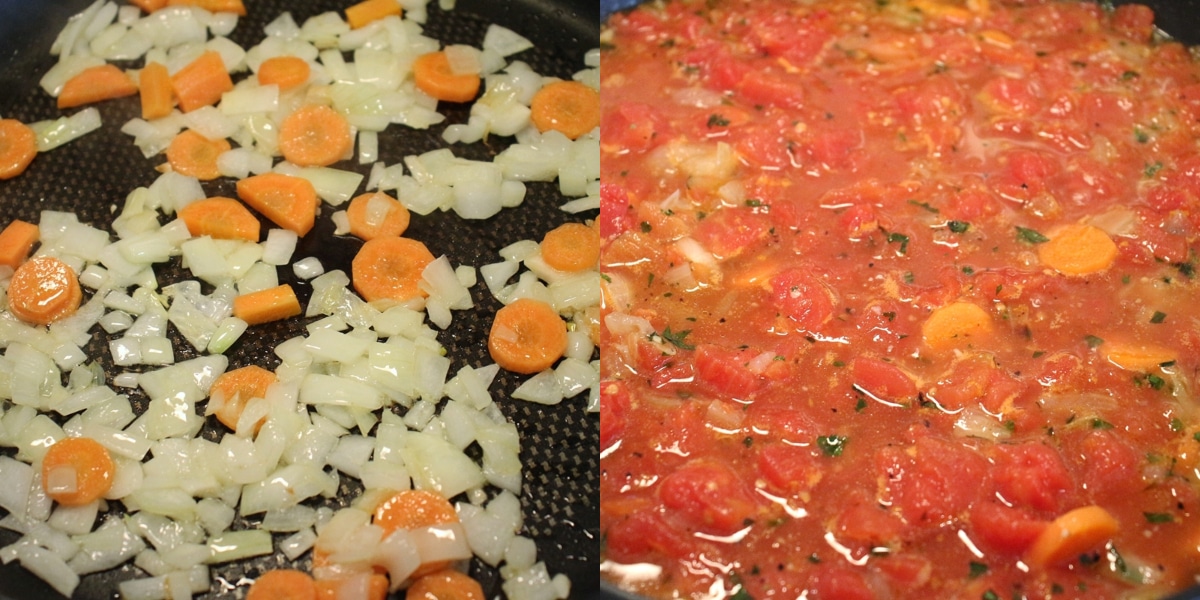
(93, 174)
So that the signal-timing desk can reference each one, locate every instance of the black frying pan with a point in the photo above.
(559, 443)
(1178, 18)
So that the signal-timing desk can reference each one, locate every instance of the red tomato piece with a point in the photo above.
(868, 523)
(882, 380)
(802, 297)
(725, 371)
(1135, 21)
(729, 231)
(708, 497)
(936, 483)
(614, 410)
(764, 87)
(858, 221)
(616, 214)
(633, 126)
(1031, 475)
(1110, 465)
(642, 535)
(835, 582)
(798, 41)
(1003, 528)
(788, 468)
(906, 571)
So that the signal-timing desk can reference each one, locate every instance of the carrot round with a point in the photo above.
(16, 241)
(446, 584)
(101, 82)
(389, 268)
(284, 71)
(195, 155)
(1137, 357)
(408, 509)
(375, 215)
(43, 290)
(149, 5)
(236, 388)
(432, 74)
(288, 201)
(314, 136)
(221, 218)
(201, 82)
(1071, 534)
(369, 11)
(569, 107)
(230, 6)
(377, 588)
(18, 146)
(283, 584)
(268, 305)
(571, 247)
(955, 325)
(154, 85)
(82, 461)
(527, 336)
(1078, 250)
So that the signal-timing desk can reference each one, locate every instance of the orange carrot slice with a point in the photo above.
(314, 136)
(283, 584)
(221, 218)
(1071, 534)
(201, 82)
(268, 305)
(18, 147)
(289, 202)
(154, 84)
(1078, 250)
(284, 71)
(955, 325)
(231, 6)
(527, 336)
(446, 584)
(149, 6)
(43, 290)
(368, 11)
(195, 155)
(571, 247)
(408, 509)
(375, 215)
(377, 588)
(389, 269)
(568, 107)
(102, 82)
(1142, 358)
(82, 462)
(236, 388)
(432, 74)
(16, 241)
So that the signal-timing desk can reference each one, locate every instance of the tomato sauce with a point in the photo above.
(900, 301)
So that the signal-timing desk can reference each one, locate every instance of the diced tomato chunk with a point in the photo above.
(708, 497)
(616, 214)
(788, 468)
(867, 522)
(935, 483)
(726, 371)
(771, 88)
(729, 231)
(614, 410)
(833, 148)
(835, 582)
(1136, 21)
(907, 571)
(633, 126)
(802, 297)
(1032, 170)
(1109, 463)
(762, 145)
(1003, 528)
(858, 220)
(1008, 95)
(882, 380)
(642, 535)
(796, 40)
(1031, 475)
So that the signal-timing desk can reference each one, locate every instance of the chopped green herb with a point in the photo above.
(748, 441)
(1093, 341)
(925, 205)
(646, 228)
(813, 558)
(1010, 425)
(716, 120)
(1176, 424)
(891, 315)
(1125, 279)
(1187, 269)
(1056, 589)
(1032, 236)
(958, 226)
(908, 277)
(1152, 517)
(1155, 381)
(649, 279)
(605, 277)
(1150, 170)
(1099, 423)
(1158, 317)
(990, 595)
(676, 338)
(777, 521)
(741, 594)
(1141, 136)
(1039, 353)
(1127, 75)
(753, 202)
(862, 404)
(977, 569)
(838, 364)
(832, 445)
(900, 238)
(1196, 436)
(968, 270)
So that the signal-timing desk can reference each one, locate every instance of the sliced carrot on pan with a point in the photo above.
(221, 218)
(283, 584)
(154, 84)
(102, 82)
(18, 147)
(389, 269)
(236, 388)
(1071, 534)
(201, 82)
(284, 71)
(432, 74)
(330, 589)
(268, 305)
(288, 201)
(1078, 250)
(76, 471)
(194, 155)
(368, 11)
(377, 214)
(16, 241)
(569, 107)
(149, 6)
(446, 584)
(527, 336)
(571, 247)
(230, 6)
(314, 136)
(408, 509)
(43, 290)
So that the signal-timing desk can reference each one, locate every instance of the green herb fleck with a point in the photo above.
(813, 558)
(1158, 317)
(968, 270)
(1151, 170)
(646, 228)
(900, 238)
(1155, 381)
(753, 202)
(862, 404)
(908, 277)
(748, 441)
(676, 338)
(1093, 341)
(1141, 136)
(832, 445)
(990, 595)
(1039, 353)
(1152, 517)
(977, 570)
(1196, 436)
(1098, 423)
(958, 226)
(1031, 236)
(1010, 425)
(1187, 269)
(741, 594)
(716, 120)
(605, 277)
(1056, 589)
(1127, 75)
(925, 205)
(838, 364)
(891, 315)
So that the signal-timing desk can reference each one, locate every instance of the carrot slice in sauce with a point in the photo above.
(1078, 250)
(389, 269)
(43, 290)
(314, 136)
(76, 471)
(569, 107)
(955, 325)
(1071, 534)
(527, 336)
